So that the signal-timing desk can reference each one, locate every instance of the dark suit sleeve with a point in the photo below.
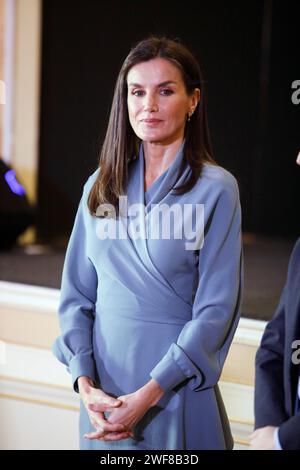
(269, 386)
(289, 433)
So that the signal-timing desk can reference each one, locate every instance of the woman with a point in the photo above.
(147, 320)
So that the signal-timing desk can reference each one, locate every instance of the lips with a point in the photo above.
(151, 121)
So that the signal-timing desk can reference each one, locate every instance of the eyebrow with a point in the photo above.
(167, 82)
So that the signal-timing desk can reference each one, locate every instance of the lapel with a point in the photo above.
(155, 195)
(158, 192)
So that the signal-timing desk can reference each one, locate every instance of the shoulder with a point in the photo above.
(295, 257)
(87, 189)
(219, 181)
(218, 175)
(90, 181)
(296, 249)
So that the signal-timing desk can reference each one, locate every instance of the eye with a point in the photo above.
(166, 91)
(137, 92)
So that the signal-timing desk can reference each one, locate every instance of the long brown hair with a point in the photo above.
(121, 143)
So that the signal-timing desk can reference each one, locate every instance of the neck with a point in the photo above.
(158, 157)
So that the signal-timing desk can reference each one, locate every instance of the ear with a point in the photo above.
(196, 97)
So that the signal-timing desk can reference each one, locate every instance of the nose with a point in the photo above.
(150, 103)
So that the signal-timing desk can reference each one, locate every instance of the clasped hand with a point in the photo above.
(125, 411)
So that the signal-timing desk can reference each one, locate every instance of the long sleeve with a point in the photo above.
(269, 364)
(271, 360)
(77, 302)
(203, 343)
(289, 433)
(269, 386)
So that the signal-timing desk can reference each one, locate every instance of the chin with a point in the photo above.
(153, 137)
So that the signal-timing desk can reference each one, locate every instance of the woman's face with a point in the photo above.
(157, 101)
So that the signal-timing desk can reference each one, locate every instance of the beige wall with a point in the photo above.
(20, 31)
(26, 93)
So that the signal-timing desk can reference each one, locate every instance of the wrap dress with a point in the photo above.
(135, 307)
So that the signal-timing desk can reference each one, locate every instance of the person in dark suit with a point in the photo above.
(277, 369)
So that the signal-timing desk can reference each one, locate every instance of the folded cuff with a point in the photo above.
(175, 367)
(80, 365)
(167, 373)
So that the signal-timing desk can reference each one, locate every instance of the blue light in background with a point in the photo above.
(12, 182)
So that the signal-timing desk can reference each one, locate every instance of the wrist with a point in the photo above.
(151, 392)
(84, 383)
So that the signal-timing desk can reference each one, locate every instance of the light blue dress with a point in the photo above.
(133, 308)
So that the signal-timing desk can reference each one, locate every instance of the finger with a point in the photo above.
(94, 423)
(107, 400)
(99, 422)
(105, 426)
(104, 405)
(116, 427)
(94, 435)
(101, 435)
(115, 436)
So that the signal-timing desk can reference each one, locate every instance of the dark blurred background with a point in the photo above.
(249, 55)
